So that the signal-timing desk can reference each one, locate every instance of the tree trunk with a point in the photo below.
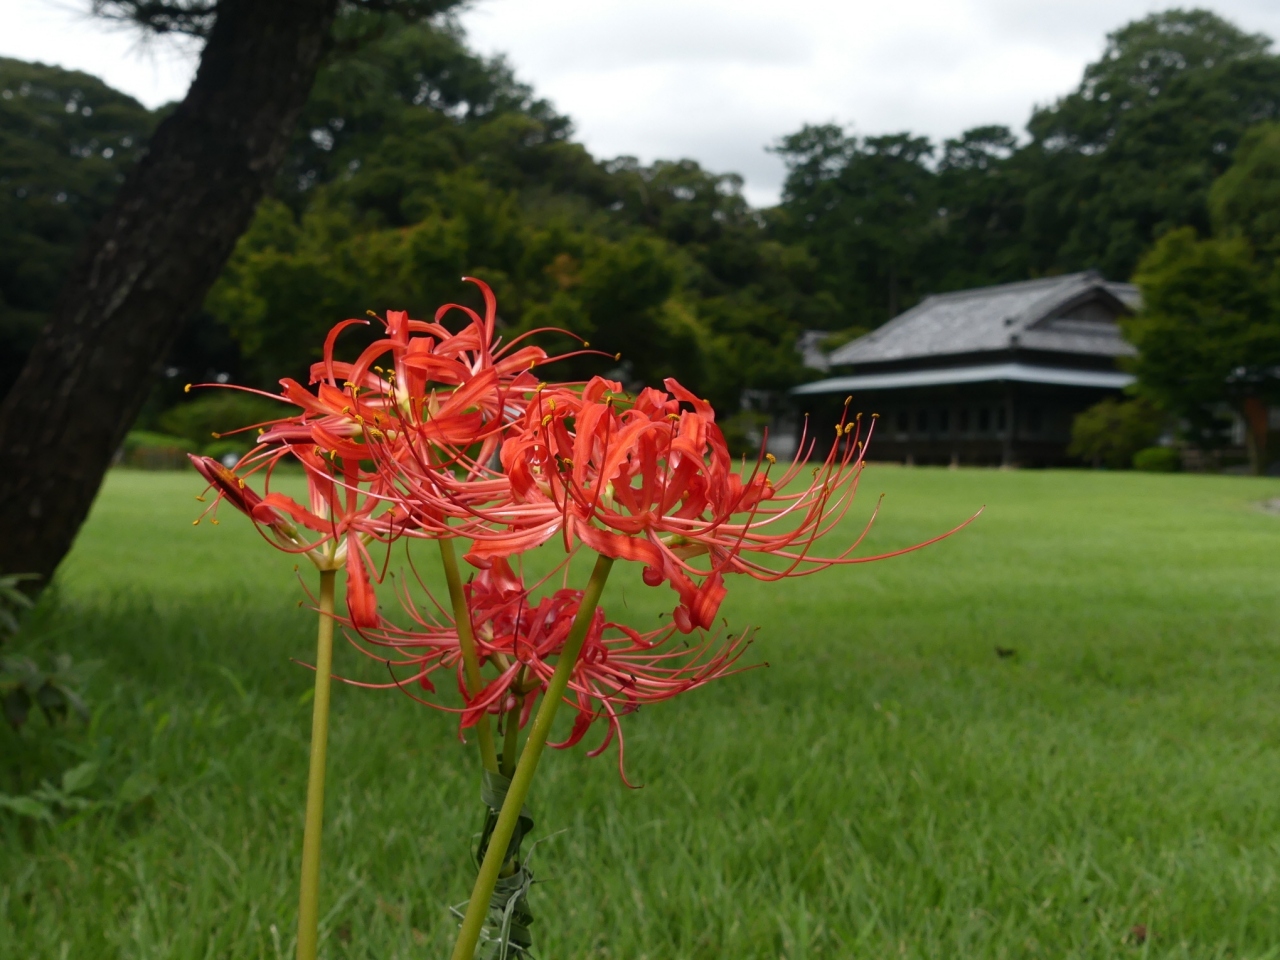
(1255, 416)
(146, 267)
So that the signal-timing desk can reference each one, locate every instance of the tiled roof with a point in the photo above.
(1014, 315)
(988, 373)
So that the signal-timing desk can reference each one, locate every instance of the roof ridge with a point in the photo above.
(1015, 285)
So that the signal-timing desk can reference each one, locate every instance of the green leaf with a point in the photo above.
(80, 777)
(26, 807)
(17, 706)
(137, 787)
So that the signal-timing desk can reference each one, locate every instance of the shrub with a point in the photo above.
(1111, 432)
(155, 451)
(1157, 460)
(233, 446)
(216, 412)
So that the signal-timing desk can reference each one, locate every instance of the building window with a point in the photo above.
(984, 420)
(944, 421)
(922, 421)
(1035, 419)
(904, 421)
(963, 424)
(1001, 420)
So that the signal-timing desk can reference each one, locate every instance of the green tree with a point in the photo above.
(151, 259)
(866, 209)
(1131, 153)
(1245, 201)
(1208, 335)
(66, 142)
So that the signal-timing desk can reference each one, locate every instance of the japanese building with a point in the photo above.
(988, 376)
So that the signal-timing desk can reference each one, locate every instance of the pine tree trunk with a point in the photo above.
(146, 267)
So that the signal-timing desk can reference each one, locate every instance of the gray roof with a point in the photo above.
(1027, 315)
(988, 373)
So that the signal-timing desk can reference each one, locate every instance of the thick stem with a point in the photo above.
(511, 741)
(309, 894)
(470, 659)
(478, 906)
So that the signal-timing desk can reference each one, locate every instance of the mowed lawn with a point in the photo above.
(887, 787)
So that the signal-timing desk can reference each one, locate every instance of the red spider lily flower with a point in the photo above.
(650, 479)
(333, 532)
(429, 423)
(618, 670)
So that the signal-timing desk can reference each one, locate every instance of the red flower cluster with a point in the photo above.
(435, 434)
(618, 670)
(386, 451)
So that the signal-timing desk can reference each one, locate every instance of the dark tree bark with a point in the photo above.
(146, 267)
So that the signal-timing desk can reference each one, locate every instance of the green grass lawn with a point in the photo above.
(887, 787)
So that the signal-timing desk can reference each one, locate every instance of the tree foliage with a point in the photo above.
(418, 162)
(66, 141)
(1128, 155)
(1208, 334)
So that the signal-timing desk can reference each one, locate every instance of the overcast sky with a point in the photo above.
(715, 80)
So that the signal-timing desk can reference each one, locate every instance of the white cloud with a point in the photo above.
(716, 80)
(62, 33)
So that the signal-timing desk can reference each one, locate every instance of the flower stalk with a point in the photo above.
(309, 893)
(467, 641)
(522, 780)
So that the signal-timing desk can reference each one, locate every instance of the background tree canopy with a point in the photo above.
(418, 161)
(65, 140)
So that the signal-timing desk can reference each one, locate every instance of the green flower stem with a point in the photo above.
(309, 893)
(511, 741)
(467, 640)
(478, 905)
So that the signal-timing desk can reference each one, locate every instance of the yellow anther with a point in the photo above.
(551, 403)
(195, 522)
(216, 435)
(187, 388)
(875, 416)
(547, 419)
(200, 498)
(848, 400)
(261, 431)
(848, 428)
(586, 343)
(371, 314)
(214, 521)
(771, 458)
(617, 356)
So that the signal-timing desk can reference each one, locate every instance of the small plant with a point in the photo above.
(25, 685)
(12, 602)
(1157, 460)
(41, 803)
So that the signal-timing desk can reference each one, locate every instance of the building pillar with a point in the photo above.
(1010, 422)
